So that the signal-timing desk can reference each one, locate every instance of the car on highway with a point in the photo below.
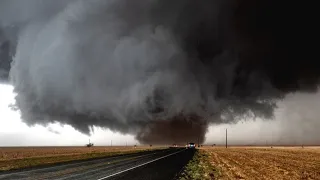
(174, 146)
(191, 145)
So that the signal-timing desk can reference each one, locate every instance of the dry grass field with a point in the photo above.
(265, 162)
(22, 157)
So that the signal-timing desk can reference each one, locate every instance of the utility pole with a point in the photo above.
(198, 142)
(226, 138)
(111, 143)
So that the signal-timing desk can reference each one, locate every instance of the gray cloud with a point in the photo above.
(296, 123)
(143, 66)
(50, 129)
(299, 123)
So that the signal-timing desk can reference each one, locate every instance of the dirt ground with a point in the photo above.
(22, 157)
(266, 162)
(7, 153)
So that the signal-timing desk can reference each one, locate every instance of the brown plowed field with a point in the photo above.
(266, 162)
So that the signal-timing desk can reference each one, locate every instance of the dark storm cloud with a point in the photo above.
(5, 58)
(161, 70)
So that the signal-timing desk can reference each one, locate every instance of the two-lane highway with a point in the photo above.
(162, 169)
(158, 164)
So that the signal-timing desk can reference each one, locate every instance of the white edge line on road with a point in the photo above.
(97, 169)
(56, 166)
(140, 165)
(70, 163)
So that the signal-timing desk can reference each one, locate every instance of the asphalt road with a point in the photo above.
(153, 165)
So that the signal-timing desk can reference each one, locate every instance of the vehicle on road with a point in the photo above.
(173, 146)
(191, 145)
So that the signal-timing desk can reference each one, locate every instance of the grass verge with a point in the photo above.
(15, 164)
(200, 168)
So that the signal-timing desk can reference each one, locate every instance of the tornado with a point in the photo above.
(160, 70)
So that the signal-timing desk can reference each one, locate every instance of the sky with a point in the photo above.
(13, 132)
(162, 77)
(287, 127)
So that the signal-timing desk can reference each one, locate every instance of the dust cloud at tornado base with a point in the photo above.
(160, 70)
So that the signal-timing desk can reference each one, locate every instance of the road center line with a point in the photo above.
(140, 165)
